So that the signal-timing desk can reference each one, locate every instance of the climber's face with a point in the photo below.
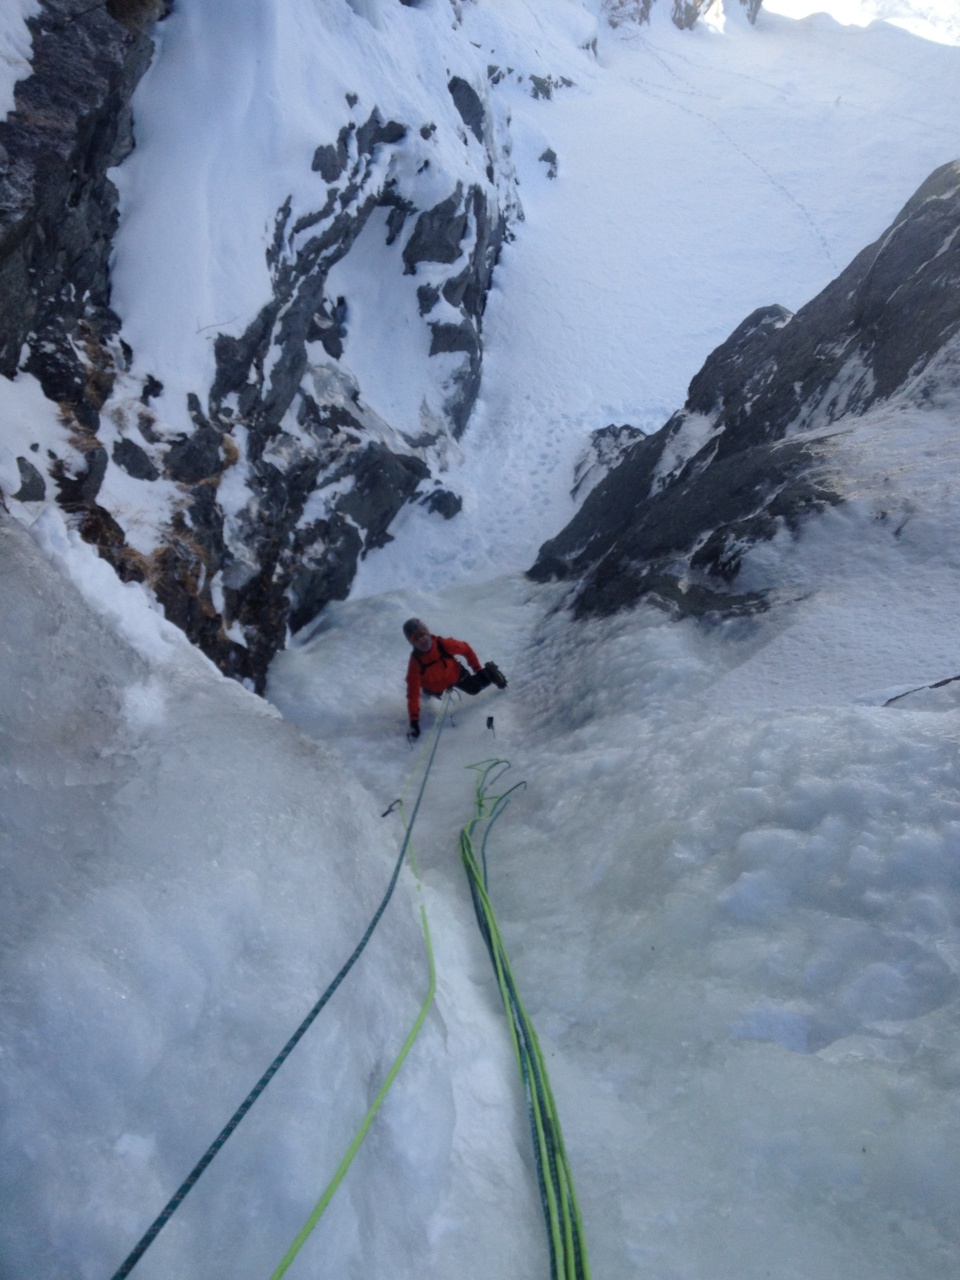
(421, 639)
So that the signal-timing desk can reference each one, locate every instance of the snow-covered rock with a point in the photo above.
(58, 212)
(752, 451)
(271, 474)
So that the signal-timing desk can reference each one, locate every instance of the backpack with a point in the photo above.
(444, 655)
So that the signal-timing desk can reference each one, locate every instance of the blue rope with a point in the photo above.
(193, 1177)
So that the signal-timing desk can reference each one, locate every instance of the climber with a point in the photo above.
(433, 668)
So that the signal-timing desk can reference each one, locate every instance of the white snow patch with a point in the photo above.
(15, 48)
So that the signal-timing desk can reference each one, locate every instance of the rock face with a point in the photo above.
(302, 430)
(58, 213)
(283, 478)
(683, 13)
(272, 482)
(749, 454)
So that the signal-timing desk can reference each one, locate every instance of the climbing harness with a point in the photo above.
(568, 1255)
(193, 1177)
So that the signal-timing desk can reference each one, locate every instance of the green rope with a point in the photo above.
(568, 1255)
(345, 1163)
(225, 1133)
(361, 1133)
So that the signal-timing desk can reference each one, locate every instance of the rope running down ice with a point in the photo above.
(568, 1254)
(391, 1075)
(193, 1177)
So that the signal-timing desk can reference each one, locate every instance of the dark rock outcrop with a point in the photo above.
(750, 454)
(134, 460)
(468, 103)
(33, 487)
(279, 564)
(549, 158)
(322, 475)
(71, 123)
(684, 13)
(608, 446)
(443, 502)
(438, 233)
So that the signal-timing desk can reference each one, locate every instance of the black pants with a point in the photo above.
(470, 682)
(473, 681)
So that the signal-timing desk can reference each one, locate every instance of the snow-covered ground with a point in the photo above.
(731, 887)
(699, 175)
(14, 47)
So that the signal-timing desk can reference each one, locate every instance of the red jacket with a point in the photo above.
(435, 671)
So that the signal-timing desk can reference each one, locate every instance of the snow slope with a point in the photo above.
(700, 175)
(730, 888)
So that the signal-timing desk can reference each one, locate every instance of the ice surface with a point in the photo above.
(184, 873)
(733, 919)
(730, 889)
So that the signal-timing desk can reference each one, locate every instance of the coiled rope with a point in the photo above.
(568, 1255)
(193, 1177)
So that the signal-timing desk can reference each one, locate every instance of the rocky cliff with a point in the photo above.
(683, 13)
(750, 452)
(316, 476)
(58, 213)
(265, 486)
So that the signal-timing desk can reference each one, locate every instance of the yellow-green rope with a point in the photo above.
(361, 1133)
(568, 1255)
